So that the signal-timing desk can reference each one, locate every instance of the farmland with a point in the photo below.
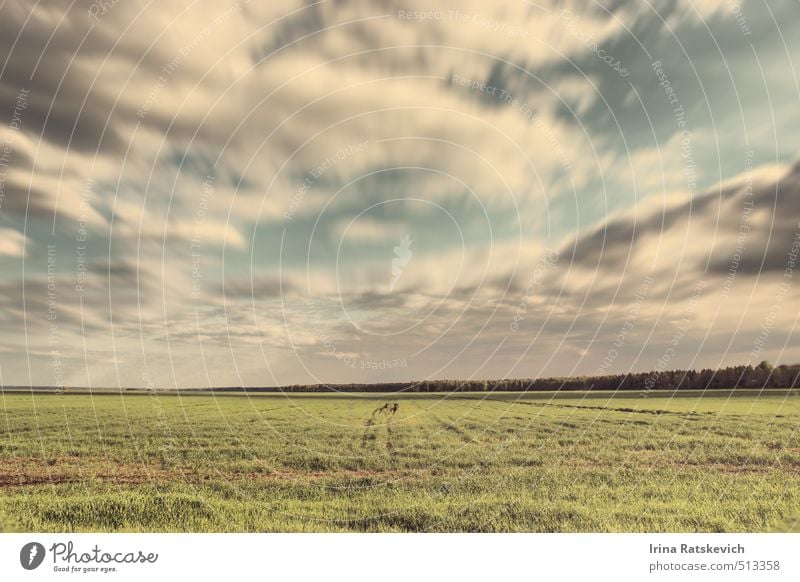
(719, 461)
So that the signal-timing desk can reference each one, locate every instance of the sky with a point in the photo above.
(216, 193)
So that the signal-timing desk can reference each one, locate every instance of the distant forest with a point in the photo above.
(762, 376)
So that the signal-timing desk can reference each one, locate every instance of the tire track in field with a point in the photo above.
(370, 432)
(390, 437)
(367, 435)
(462, 434)
(389, 440)
(653, 411)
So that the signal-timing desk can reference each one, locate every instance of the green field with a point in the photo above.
(471, 462)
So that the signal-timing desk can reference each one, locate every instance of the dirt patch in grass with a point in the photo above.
(27, 471)
(23, 471)
(18, 471)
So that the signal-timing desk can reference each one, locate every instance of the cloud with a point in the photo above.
(207, 159)
(756, 206)
(12, 243)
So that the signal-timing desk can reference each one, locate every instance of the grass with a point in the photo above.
(471, 462)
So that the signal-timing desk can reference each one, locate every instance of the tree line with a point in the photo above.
(763, 375)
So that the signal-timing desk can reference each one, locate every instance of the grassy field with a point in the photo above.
(472, 462)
